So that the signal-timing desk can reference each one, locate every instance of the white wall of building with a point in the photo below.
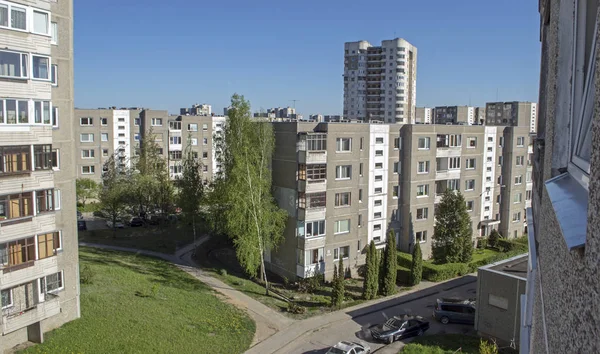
(378, 131)
(122, 134)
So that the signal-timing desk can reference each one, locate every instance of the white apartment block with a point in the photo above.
(380, 81)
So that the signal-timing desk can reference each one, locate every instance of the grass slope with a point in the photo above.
(447, 344)
(143, 305)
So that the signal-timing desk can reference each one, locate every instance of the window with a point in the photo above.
(516, 217)
(48, 244)
(204, 154)
(396, 143)
(489, 159)
(470, 205)
(470, 164)
(520, 141)
(344, 252)
(316, 173)
(54, 117)
(13, 64)
(194, 141)
(520, 160)
(312, 200)
(471, 142)
(379, 165)
(41, 22)
(453, 184)
(105, 152)
(519, 179)
(204, 168)
(490, 139)
(395, 191)
(42, 112)
(16, 206)
(54, 33)
(500, 160)
(176, 169)
(15, 159)
(378, 202)
(175, 155)
(378, 152)
(378, 190)
(501, 141)
(469, 184)
(396, 167)
(174, 140)
(343, 172)
(205, 141)
(192, 127)
(52, 283)
(377, 227)
(88, 170)
(136, 121)
(453, 163)
(362, 141)
(44, 201)
(87, 153)
(528, 195)
(360, 169)
(204, 126)
(7, 298)
(86, 121)
(378, 140)
(136, 136)
(423, 167)
(518, 198)
(424, 143)
(423, 190)
(315, 228)
(528, 177)
(341, 226)
(40, 67)
(103, 121)
(343, 144)
(421, 236)
(360, 195)
(342, 199)
(422, 213)
(42, 157)
(103, 136)
(156, 122)
(54, 75)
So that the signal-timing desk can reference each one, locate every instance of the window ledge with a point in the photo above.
(570, 201)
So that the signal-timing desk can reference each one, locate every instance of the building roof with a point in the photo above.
(515, 266)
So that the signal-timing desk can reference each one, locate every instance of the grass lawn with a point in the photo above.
(143, 305)
(165, 239)
(223, 265)
(479, 254)
(447, 344)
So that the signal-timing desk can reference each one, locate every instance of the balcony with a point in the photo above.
(311, 242)
(14, 275)
(317, 213)
(312, 157)
(444, 174)
(25, 313)
(312, 186)
(309, 270)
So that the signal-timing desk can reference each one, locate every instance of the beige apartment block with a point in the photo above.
(39, 267)
(102, 132)
(380, 82)
(455, 115)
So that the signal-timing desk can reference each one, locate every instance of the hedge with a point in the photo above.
(404, 260)
(403, 276)
(441, 272)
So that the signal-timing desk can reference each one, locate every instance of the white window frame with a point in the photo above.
(86, 141)
(194, 141)
(425, 169)
(425, 190)
(57, 206)
(103, 120)
(467, 185)
(48, 22)
(54, 33)
(468, 165)
(518, 180)
(43, 119)
(339, 195)
(23, 59)
(378, 152)
(520, 161)
(423, 237)
(154, 122)
(62, 281)
(520, 141)
(339, 144)
(518, 198)
(424, 214)
(336, 227)
(91, 170)
(469, 139)
(426, 142)
(472, 204)
(57, 160)
(49, 69)
(454, 163)
(338, 172)
(90, 152)
(516, 217)
(10, 295)
(54, 74)
(20, 7)
(89, 122)
(190, 127)
(324, 231)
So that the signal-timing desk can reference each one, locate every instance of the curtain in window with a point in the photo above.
(4, 15)
(23, 112)
(40, 22)
(19, 18)
(40, 67)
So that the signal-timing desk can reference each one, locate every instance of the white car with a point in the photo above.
(349, 348)
(118, 224)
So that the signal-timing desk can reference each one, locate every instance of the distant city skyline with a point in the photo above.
(463, 60)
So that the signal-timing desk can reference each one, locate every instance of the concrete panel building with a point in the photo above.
(562, 280)
(380, 82)
(516, 114)
(39, 268)
(455, 115)
(499, 289)
(424, 115)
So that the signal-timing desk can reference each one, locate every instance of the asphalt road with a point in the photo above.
(354, 329)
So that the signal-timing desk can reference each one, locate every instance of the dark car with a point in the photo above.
(399, 327)
(455, 310)
(81, 225)
(79, 215)
(135, 222)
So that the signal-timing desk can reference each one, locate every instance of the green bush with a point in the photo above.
(494, 237)
(494, 258)
(505, 245)
(403, 276)
(482, 243)
(295, 308)
(441, 272)
(404, 259)
(223, 272)
(86, 275)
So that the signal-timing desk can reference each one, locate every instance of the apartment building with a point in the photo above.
(380, 82)
(102, 132)
(455, 115)
(423, 115)
(562, 280)
(511, 114)
(347, 184)
(488, 165)
(197, 110)
(39, 268)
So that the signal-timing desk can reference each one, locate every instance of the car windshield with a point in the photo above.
(335, 350)
(391, 323)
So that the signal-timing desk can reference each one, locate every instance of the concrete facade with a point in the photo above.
(455, 115)
(380, 82)
(563, 283)
(39, 268)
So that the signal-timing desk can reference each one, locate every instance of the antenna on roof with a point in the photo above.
(295, 103)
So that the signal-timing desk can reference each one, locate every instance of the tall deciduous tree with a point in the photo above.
(191, 188)
(115, 191)
(416, 267)
(86, 189)
(252, 218)
(390, 265)
(371, 281)
(452, 233)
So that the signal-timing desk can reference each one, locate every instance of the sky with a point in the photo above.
(172, 54)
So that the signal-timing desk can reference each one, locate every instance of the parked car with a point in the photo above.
(135, 222)
(81, 225)
(455, 310)
(349, 348)
(118, 224)
(79, 215)
(399, 327)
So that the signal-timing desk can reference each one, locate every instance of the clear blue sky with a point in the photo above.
(171, 54)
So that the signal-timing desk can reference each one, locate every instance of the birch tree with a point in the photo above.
(191, 188)
(252, 219)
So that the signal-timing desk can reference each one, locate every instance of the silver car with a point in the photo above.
(349, 348)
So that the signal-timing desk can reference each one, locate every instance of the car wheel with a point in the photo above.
(420, 333)
(445, 320)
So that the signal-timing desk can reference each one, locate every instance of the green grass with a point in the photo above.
(165, 239)
(144, 305)
(479, 254)
(447, 344)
